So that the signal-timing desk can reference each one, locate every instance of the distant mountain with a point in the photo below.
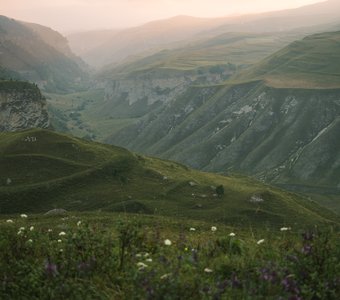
(148, 38)
(178, 31)
(40, 55)
(84, 42)
(41, 170)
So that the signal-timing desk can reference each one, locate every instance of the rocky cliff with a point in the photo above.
(21, 106)
(279, 135)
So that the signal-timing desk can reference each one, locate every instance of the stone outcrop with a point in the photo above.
(22, 106)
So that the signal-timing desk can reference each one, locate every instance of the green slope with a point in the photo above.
(41, 170)
(38, 54)
(313, 62)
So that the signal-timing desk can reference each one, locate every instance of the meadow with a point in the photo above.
(131, 256)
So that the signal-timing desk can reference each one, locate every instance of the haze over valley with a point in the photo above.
(163, 113)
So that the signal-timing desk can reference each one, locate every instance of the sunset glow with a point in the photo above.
(69, 15)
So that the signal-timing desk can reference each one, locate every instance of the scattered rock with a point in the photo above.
(256, 199)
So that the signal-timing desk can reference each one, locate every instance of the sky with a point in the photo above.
(76, 15)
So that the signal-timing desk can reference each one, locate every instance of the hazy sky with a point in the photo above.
(69, 15)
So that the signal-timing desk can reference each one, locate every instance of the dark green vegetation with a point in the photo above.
(39, 54)
(18, 86)
(118, 256)
(41, 170)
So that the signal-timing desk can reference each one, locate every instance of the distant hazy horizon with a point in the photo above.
(79, 15)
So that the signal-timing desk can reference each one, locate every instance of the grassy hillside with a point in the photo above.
(313, 62)
(42, 170)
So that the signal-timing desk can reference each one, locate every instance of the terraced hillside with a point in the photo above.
(309, 63)
(41, 170)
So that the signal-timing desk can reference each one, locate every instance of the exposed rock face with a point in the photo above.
(279, 135)
(138, 93)
(22, 106)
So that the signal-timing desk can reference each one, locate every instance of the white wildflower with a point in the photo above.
(207, 270)
(61, 250)
(232, 234)
(9, 221)
(30, 241)
(146, 255)
(192, 229)
(213, 228)
(59, 241)
(167, 242)
(19, 232)
(285, 228)
(141, 265)
(62, 233)
(138, 255)
(165, 276)
(23, 216)
(31, 228)
(22, 228)
(78, 223)
(260, 241)
(149, 260)
(50, 230)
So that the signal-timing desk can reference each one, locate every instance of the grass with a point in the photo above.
(54, 170)
(312, 62)
(125, 256)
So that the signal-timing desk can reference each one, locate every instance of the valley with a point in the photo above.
(147, 153)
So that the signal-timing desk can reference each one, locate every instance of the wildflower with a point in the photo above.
(21, 228)
(192, 229)
(51, 269)
(138, 255)
(78, 223)
(149, 260)
(141, 265)
(61, 250)
(59, 241)
(260, 241)
(285, 228)
(186, 249)
(146, 255)
(31, 228)
(213, 228)
(232, 234)
(167, 242)
(9, 221)
(50, 230)
(207, 270)
(30, 241)
(19, 232)
(62, 233)
(165, 276)
(23, 216)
